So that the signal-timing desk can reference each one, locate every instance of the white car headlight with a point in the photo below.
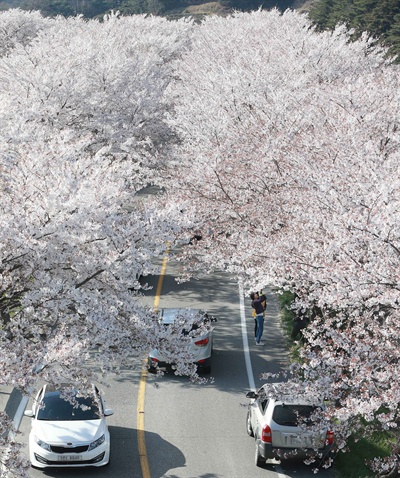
(42, 444)
(97, 442)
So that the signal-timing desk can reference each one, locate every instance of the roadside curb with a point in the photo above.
(13, 403)
(15, 407)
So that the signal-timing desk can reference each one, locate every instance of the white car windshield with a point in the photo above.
(55, 408)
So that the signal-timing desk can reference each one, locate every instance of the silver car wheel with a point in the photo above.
(259, 460)
(248, 425)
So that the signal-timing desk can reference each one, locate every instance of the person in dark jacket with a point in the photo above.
(258, 303)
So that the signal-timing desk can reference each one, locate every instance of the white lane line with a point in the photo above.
(246, 349)
(280, 473)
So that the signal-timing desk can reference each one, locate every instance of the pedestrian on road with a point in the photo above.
(254, 314)
(258, 303)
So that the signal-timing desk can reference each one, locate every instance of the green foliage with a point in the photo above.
(354, 464)
(135, 7)
(247, 5)
(393, 36)
(97, 8)
(374, 16)
(6, 4)
(155, 7)
(380, 18)
(320, 14)
(52, 8)
(285, 299)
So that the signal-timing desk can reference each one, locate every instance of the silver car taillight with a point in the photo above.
(266, 435)
(202, 342)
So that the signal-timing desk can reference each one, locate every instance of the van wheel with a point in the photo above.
(258, 459)
(248, 425)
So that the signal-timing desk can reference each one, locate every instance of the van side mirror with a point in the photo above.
(29, 413)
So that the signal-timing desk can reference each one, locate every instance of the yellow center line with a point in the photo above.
(144, 463)
(160, 280)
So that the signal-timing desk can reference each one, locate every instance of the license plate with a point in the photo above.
(302, 441)
(69, 458)
(295, 440)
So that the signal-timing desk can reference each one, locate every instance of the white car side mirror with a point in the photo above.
(251, 395)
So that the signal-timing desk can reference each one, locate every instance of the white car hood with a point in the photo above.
(70, 431)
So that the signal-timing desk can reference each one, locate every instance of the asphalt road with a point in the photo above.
(192, 430)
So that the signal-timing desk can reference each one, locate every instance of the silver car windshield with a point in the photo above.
(293, 415)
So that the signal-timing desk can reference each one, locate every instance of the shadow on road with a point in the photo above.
(124, 459)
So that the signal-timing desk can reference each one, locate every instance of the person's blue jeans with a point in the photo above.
(260, 326)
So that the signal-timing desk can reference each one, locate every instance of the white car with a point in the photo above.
(282, 426)
(68, 432)
(193, 323)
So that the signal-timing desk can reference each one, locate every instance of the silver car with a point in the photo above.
(282, 426)
(191, 327)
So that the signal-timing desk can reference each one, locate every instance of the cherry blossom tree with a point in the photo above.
(288, 166)
(81, 129)
(280, 150)
(20, 27)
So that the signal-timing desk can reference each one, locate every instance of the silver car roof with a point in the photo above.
(168, 316)
(281, 398)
